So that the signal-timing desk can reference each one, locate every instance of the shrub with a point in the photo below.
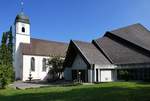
(124, 75)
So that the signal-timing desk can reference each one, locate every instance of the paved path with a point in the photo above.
(23, 85)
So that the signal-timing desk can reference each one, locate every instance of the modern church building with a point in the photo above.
(124, 49)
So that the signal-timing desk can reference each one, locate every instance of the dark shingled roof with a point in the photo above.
(44, 48)
(120, 52)
(127, 45)
(91, 53)
(136, 34)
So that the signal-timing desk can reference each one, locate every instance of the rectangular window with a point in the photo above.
(32, 64)
(44, 65)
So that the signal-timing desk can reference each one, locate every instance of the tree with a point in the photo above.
(4, 50)
(6, 59)
(10, 46)
(56, 67)
(10, 53)
(5, 75)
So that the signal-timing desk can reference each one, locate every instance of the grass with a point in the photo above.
(115, 91)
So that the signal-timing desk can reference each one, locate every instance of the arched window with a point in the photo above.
(44, 65)
(23, 29)
(32, 64)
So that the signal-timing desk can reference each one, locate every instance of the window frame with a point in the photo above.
(32, 68)
(44, 65)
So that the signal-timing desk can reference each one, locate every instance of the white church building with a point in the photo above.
(30, 54)
(123, 49)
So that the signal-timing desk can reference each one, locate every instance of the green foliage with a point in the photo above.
(56, 67)
(4, 50)
(10, 46)
(6, 59)
(5, 75)
(124, 75)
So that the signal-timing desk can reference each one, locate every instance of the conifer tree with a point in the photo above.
(4, 50)
(10, 46)
(6, 59)
(10, 53)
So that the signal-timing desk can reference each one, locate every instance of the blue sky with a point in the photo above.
(62, 20)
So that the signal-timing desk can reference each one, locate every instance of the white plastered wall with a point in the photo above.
(19, 26)
(79, 63)
(18, 59)
(106, 73)
(38, 73)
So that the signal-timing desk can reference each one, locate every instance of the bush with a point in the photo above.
(124, 75)
(56, 68)
(6, 73)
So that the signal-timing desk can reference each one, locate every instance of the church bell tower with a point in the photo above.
(22, 30)
(21, 36)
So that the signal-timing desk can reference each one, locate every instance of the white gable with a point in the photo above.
(79, 63)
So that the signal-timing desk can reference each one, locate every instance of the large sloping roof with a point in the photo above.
(136, 34)
(91, 53)
(127, 45)
(44, 48)
(121, 53)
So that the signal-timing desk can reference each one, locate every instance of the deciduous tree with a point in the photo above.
(56, 67)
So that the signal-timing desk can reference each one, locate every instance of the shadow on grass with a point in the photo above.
(85, 94)
(143, 82)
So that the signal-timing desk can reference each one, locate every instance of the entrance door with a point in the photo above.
(79, 75)
(97, 75)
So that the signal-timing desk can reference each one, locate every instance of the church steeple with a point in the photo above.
(22, 27)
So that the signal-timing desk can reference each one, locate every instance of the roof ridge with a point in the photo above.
(51, 41)
(128, 26)
(80, 41)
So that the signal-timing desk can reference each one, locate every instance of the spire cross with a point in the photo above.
(22, 4)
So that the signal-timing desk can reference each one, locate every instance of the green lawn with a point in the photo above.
(116, 91)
